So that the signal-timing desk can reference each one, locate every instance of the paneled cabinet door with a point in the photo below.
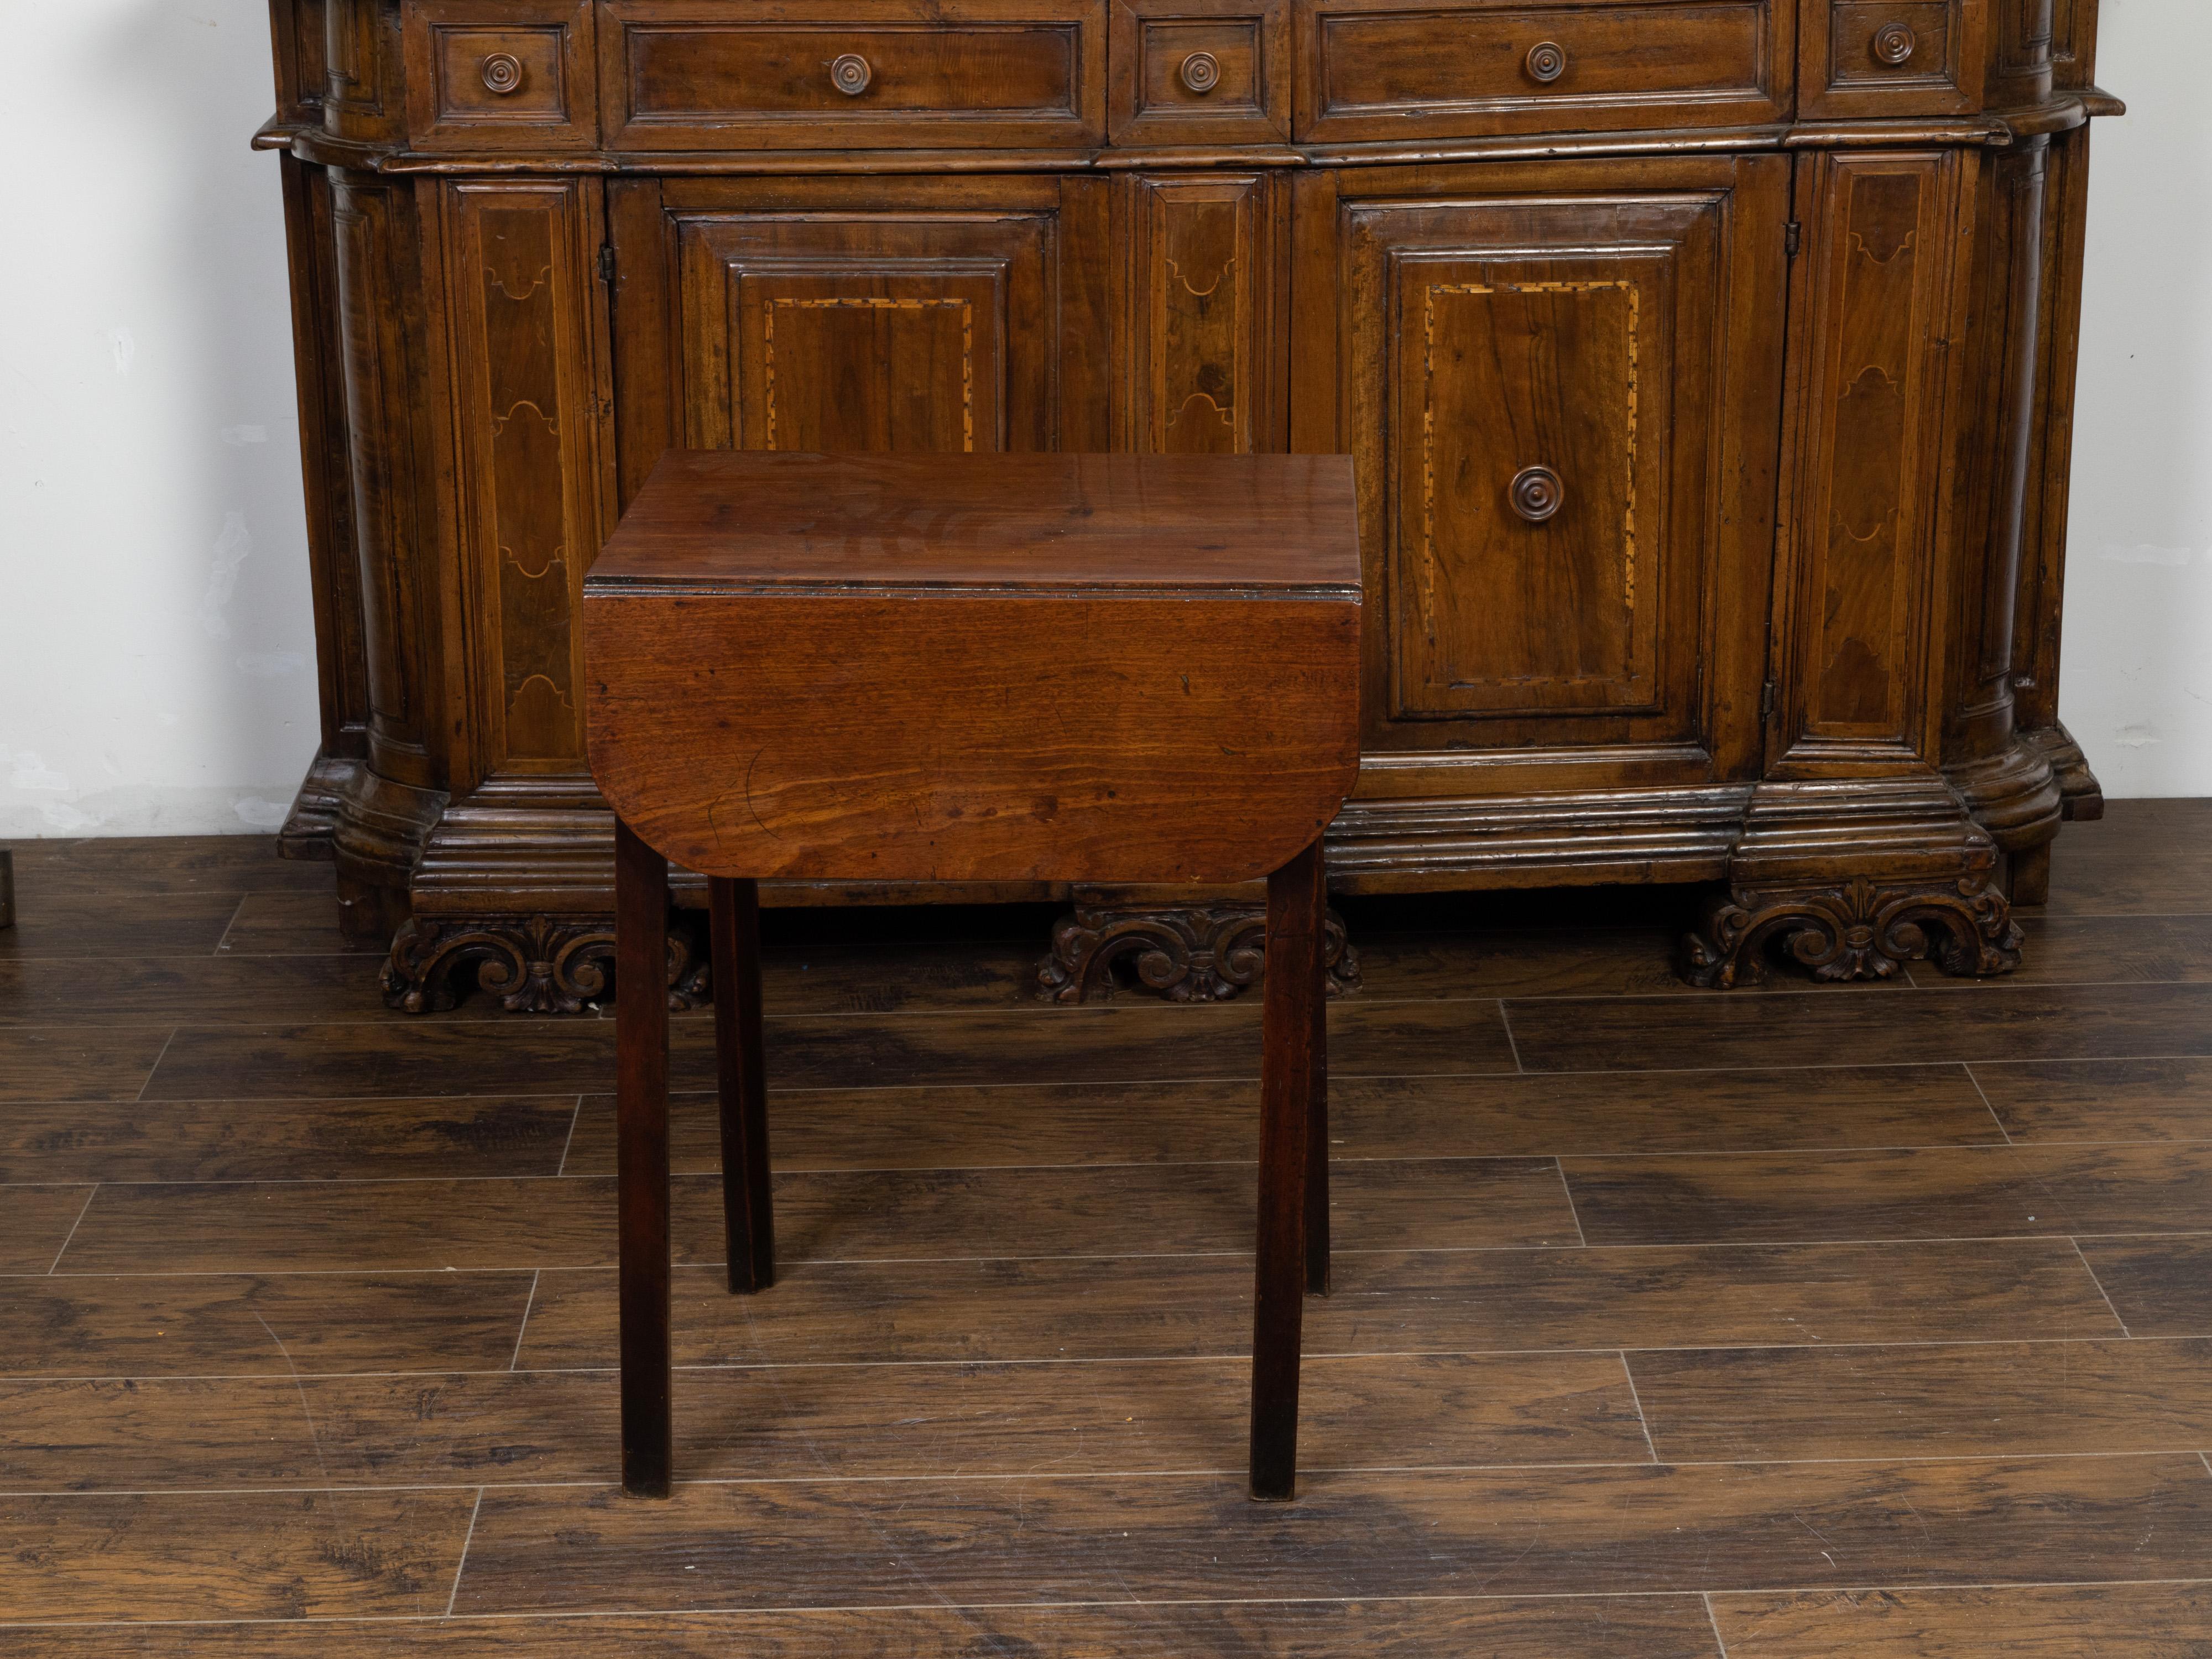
(964, 314)
(1562, 387)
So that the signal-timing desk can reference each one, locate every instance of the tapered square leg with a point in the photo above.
(733, 912)
(642, 1159)
(1292, 1064)
(1317, 1251)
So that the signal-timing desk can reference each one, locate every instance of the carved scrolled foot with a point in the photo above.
(1859, 929)
(533, 964)
(1204, 953)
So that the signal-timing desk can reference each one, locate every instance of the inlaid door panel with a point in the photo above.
(1562, 390)
(533, 455)
(847, 314)
(1881, 302)
(1201, 273)
(877, 332)
(1539, 383)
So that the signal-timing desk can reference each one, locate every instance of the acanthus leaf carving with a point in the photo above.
(1189, 953)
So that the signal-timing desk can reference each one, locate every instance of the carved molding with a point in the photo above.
(311, 826)
(1862, 928)
(534, 965)
(1198, 953)
(2080, 797)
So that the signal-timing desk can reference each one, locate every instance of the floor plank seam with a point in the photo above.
(1338, 1156)
(1967, 1067)
(1336, 1072)
(523, 1329)
(552, 1616)
(2101, 1291)
(461, 1566)
(1230, 1475)
(1904, 1241)
(27, 1380)
(1568, 1193)
(574, 1118)
(1636, 1400)
(73, 1225)
(223, 942)
(140, 1098)
(1714, 1618)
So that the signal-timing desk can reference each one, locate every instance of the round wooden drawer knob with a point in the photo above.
(503, 74)
(850, 74)
(1547, 62)
(1201, 72)
(1536, 493)
(1894, 45)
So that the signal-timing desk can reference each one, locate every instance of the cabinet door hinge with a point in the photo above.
(607, 265)
(1793, 234)
(1766, 703)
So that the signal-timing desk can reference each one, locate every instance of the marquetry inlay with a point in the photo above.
(1429, 417)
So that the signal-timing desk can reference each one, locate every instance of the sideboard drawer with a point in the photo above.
(1876, 58)
(500, 75)
(863, 74)
(1383, 69)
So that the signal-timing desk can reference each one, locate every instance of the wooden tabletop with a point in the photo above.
(745, 519)
(959, 668)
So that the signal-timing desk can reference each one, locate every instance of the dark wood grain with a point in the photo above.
(284, 1140)
(2158, 1286)
(989, 72)
(1162, 584)
(1043, 523)
(35, 1221)
(2146, 858)
(2040, 1622)
(2032, 1022)
(292, 923)
(1997, 1400)
(1742, 1526)
(73, 1063)
(2103, 1100)
(169, 867)
(941, 257)
(2063, 950)
(1584, 1627)
(1952, 1192)
(529, 1222)
(1039, 1045)
(641, 1185)
(107, 924)
(95, 990)
(1370, 1117)
(1422, 1301)
(1291, 1256)
(748, 1202)
(312, 1554)
(190, 1325)
(809, 1422)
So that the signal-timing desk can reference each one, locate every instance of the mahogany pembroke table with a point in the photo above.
(920, 668)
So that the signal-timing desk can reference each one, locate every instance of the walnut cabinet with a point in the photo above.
(1707, 368)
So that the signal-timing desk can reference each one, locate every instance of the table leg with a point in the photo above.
(748, 1215)
(1292, 1067)
(642, 1159)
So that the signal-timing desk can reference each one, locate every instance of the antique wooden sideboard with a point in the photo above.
(1707, 366)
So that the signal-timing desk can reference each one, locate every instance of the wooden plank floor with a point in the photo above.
(1786, 1323)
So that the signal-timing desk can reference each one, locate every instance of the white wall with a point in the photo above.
(156, 651)
(2136, 686)
(156, 648)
